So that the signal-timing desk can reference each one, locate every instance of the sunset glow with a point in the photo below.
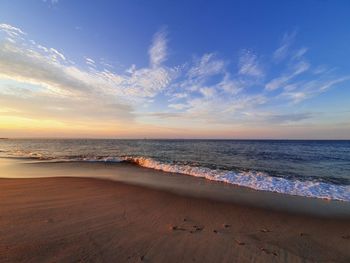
(167, 84)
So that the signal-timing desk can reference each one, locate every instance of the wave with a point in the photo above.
(255, 180)
(252, 179)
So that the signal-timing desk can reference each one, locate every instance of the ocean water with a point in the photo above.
(319, 169)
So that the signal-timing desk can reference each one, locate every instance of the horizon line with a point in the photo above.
(155, 138)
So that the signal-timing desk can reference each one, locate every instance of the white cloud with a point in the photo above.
(53, 2)
(248, 65)
(231, 86)
(207, 92)
(158, 49)
(178, 106)
(282, 52)
(11, 30)
(206, 89)
(300, 53)
(180, 95)
(208, 65)
(36, 64)
(90, 62)
(132, 69)
(57, 54)
(196, 76)
(295, 96)
(91, 92)
(309, 89)
(301, 67)
(320, 70)
(279, 82)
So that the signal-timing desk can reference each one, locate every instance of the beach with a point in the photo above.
(92, 220)
(174, 131)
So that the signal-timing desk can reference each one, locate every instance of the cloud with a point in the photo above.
(211, 92)
(300, 53)
(41, 106)
(67, 90)
(178, 106)
(27, 65)
(158, 49)
(43, 83)
(47, 67)
(53, 2)
(11, 30)
(208, 65)
(282, 52)
(248, 65)
(166, 115)
(308, 89)
(132, 69)
(231, 86)
(196, 75)
(90, 62)
(288, 118)
(279, 82)
(207, 92)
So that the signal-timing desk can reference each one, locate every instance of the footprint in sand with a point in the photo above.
(197, 229)
(267, 251)
(224, 226)
(178, 228)
(240, 243)
(264, 230)
(192, 230)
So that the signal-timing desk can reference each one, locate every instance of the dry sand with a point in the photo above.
(91, 220)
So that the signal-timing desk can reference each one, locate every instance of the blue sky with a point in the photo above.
(175, 69)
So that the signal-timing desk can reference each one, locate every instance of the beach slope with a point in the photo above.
(91, 220)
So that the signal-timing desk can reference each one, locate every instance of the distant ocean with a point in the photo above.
(318, 169)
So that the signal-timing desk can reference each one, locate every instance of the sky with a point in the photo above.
(175, 69)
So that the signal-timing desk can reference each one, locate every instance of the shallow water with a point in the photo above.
(306, 168)
(176, 183)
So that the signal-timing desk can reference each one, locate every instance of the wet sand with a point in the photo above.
(91, 220)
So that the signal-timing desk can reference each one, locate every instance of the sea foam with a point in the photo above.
(252, 179)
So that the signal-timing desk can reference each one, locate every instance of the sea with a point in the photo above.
(308, 168)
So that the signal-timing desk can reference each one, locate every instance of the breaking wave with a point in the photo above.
(252, 179)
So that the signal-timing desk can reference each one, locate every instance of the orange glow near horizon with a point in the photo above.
(24, 127)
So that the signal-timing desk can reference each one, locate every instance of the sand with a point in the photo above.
(91, 220)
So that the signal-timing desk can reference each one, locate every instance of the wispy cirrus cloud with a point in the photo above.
(30, 62)
(178, 106)
(158, 49)
(11, 30)
(25, 61)
(53, 2)
(206, 89)
(282, 80)
(249, 65)
(287, 41)
(206, 66)
(308, 89)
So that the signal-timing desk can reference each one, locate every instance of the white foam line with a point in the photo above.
(254, 180)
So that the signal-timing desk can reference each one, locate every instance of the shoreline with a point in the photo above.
(321, 189)
(179, 184)
(72, 219)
